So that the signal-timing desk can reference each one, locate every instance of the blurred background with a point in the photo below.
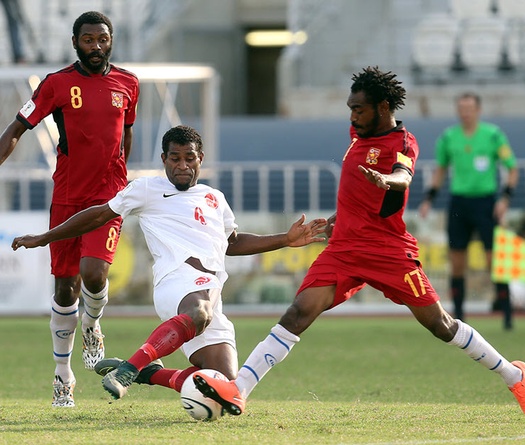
(266, 84)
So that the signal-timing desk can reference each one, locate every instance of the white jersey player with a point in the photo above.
(189, 228)
(180, 227)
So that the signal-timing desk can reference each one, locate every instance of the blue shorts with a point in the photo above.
(469, 215)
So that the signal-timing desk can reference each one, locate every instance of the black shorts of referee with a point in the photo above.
(468, 215)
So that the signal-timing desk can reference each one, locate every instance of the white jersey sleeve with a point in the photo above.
(130, 200)
(229, 219)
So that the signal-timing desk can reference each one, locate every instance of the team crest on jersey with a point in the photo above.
(202, 280)
(212, 201)
(199, 216)
(372, 156)
(117, 99)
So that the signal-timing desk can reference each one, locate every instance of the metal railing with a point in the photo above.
(274, 186)
(248, 186)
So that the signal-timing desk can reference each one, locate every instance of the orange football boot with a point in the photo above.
(225, 393)
(519, 388)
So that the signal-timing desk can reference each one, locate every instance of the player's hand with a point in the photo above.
(374, 177)
(500, 210)
(28, 241)
(424, 208)
(330, 224)
(301, 234)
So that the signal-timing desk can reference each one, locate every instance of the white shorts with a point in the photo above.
(170, 291)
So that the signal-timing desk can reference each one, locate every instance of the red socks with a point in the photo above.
(172, 378)
(164, 340)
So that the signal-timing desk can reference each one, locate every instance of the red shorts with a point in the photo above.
(401, 279)
(101, 243)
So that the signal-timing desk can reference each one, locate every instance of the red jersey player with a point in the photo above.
(93, 104)
(369, 244)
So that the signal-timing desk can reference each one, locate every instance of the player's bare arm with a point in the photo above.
(502, 204)
(398, 180)
(128, 139)
(298, 235)
(9, 139)
(438, 177)
(83, 222)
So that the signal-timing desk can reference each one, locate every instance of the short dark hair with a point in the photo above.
(91, 18)
(181, 135)
(470, 95)
(379, 86)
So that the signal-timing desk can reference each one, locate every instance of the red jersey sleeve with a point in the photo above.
(43, 102)
(407, 156)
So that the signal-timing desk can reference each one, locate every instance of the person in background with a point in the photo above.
(368, 244)
(473, 150)
(93, 103)
(15, 20)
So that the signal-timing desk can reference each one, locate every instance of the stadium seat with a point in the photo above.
(515, 44)
(467, 9)
(481, 43)
(511, 9)
(434, 43)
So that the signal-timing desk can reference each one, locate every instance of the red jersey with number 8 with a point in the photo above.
(90, 111)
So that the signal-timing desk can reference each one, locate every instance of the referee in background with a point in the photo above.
(473, 151)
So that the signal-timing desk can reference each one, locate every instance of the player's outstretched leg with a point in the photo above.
(223, 392)
(519, 388)
(120, 379)
(476, 347)
(107, 365)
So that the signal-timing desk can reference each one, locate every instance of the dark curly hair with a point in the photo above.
(379, 86)
(181, 135)
(91, 18)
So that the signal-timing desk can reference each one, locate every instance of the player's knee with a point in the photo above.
(66, 292)
(201, 314)
(94, 280)
(443, 327)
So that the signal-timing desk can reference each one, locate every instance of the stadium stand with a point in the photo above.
(468, 9)
(481, 44)
(514, 44)
(511, 9)
(434, 48)
(488, 43)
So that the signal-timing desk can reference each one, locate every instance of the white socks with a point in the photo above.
(272, 350)
(63, 325)
(477, 348)
(93, 305)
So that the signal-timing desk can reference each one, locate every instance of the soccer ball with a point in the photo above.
(195, 403)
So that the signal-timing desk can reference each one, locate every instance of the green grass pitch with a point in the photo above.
(350, 380)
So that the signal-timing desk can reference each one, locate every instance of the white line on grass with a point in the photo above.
(432, 442)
